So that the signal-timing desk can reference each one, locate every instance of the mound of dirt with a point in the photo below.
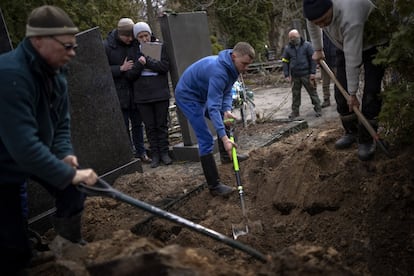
(312, 210)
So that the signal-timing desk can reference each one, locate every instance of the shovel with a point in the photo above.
(102, 188)
(241, 228)
(359, 114)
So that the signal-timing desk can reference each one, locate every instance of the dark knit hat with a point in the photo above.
(49, 20)
(314, 9)
(125, 26)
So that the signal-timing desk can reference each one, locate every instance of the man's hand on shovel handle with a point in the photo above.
(318, 55)
(86, 176)
(229, 120)
(228, 145)
(353, 101)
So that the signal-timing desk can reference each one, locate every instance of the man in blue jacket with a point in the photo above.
(35, 138)
(204, 90)
(299, 69)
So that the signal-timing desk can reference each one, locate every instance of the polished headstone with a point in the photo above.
(187, 39)
(98, 131)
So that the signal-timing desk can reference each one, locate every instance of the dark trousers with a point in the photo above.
(15, 252)
(296, 93)
(373, 74)
(155, 117)
(137, 138)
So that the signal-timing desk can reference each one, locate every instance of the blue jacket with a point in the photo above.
(209, 81)
(35, 119)
(297, 60)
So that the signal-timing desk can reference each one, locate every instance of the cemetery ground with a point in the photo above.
(312, 210)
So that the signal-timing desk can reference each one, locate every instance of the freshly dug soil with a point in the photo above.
(312, 210)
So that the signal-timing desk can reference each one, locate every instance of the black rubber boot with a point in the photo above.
(350, 124)
(224, 156)
(211, 174)
(366, 144)
(155, 160)
(69, 228)
(165, 158)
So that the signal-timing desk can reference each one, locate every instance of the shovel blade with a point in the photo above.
(239, 230)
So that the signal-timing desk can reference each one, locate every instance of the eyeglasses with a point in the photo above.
(67, 46)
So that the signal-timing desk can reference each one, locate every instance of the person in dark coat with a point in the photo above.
(300, 69)
(120, 44)
(35, 137)
(152, 92)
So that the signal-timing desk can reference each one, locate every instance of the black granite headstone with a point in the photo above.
(5, 42)
(187, 39)
(98, 131)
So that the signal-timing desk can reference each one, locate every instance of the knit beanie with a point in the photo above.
(49, 20)
(125, 26)
(314, 9)
(141, 27)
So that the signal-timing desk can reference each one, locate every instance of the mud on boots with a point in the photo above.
(213, 180)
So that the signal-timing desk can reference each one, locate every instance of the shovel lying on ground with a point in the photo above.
(102, 188)
(358, 113)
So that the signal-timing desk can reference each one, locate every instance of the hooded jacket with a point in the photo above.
(209, 81)
(35, 127)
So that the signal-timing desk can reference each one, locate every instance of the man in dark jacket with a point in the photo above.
(300, 69)
(120, 44)
(35, 140)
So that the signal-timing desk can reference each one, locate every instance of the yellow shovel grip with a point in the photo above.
(234, 156)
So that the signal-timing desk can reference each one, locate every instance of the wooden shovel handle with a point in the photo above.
(358, 113)
(356, 110)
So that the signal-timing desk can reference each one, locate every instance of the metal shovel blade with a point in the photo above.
(239, 230)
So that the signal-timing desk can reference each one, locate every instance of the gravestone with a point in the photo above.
(187, 39)
(5, 42)
(98, 131)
